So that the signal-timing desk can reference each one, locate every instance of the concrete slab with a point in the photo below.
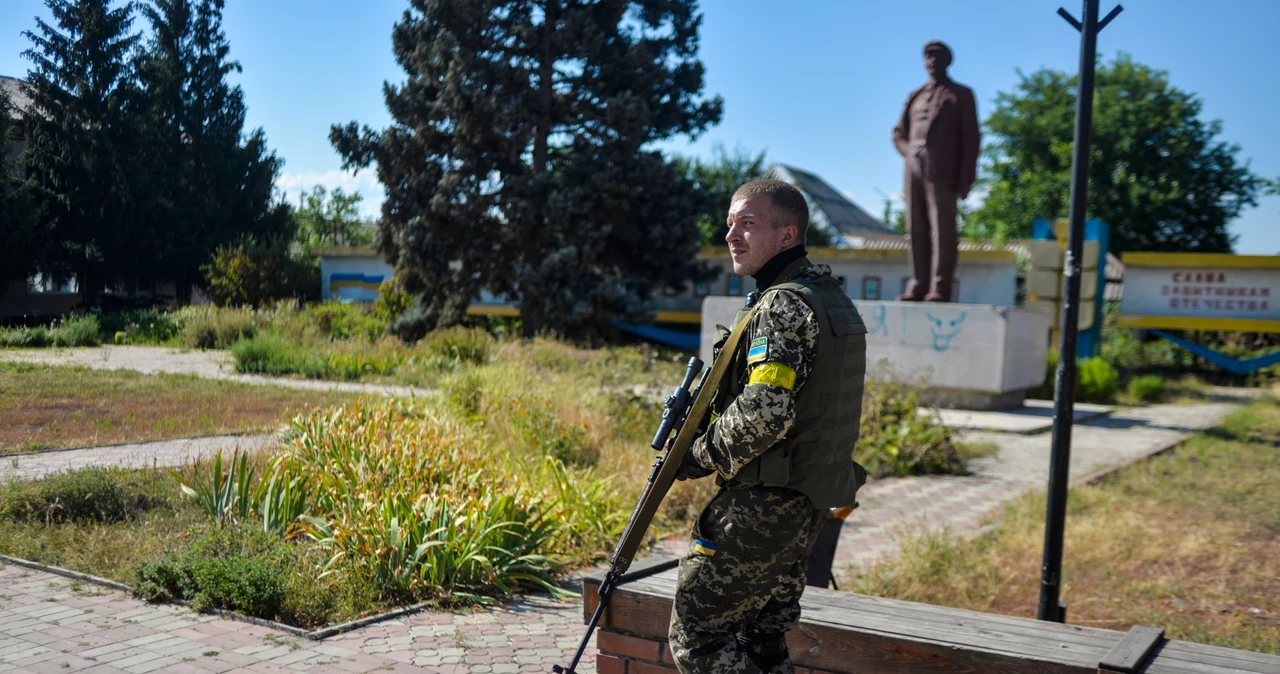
(1035, 416)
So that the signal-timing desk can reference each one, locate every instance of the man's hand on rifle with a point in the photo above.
(690, 468)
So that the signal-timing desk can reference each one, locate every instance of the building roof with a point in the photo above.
(841, 214)
(17, 92)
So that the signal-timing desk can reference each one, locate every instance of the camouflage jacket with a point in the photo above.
(760, 416)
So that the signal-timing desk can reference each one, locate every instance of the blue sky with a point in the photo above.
(816, 83)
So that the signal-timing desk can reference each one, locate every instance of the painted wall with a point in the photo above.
(962, 347)
(352, 277)
(877, 275)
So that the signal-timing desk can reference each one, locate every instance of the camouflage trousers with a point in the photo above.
(740, 583)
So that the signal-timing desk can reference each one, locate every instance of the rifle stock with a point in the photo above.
(683, 413)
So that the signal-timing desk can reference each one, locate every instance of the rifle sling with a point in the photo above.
(635, 532)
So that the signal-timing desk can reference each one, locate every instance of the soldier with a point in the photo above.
(785, 421)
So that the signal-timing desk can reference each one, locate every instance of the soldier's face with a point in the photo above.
(753, 236)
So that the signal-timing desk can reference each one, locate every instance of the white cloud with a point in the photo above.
(363, 182)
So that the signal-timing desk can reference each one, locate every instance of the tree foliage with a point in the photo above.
(206, 182)
(81, 137)
(140, 166)
(518, 161)
(331, 219)
(253, 272)
(21, 238)
(715, 180)
(1157, 172)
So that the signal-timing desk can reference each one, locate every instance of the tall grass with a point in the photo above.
(79, 330)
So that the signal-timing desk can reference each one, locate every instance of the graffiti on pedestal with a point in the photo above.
(935, 328)
(942, 336)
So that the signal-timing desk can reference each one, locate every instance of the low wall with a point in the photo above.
(842, 632)
(971, 356)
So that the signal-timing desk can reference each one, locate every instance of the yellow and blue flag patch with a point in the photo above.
(758, 351)
(704, 547)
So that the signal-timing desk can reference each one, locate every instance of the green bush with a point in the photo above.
(338, 320)
(78, 331)
(1147, 388)
(212, 328)
(26, 338)
(141, 326)
(895, 439)
(392, 300)
(232, 568)
(83, 496)
(254, 273)
(1096, 381)
(265, 354)
(468, 345)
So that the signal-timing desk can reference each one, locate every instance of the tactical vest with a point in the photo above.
(816, 456)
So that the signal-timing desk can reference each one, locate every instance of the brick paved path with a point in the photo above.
(46, 624)
(50, 624)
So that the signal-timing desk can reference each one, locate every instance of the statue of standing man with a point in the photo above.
(938, 138)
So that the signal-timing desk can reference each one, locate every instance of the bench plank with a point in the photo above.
(1133, 650)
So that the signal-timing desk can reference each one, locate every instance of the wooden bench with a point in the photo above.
(842, 632)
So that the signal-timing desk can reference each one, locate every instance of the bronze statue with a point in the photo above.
(938, 137)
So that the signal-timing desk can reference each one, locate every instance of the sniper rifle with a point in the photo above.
(682, 415)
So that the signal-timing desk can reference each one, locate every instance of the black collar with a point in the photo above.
(769, 272)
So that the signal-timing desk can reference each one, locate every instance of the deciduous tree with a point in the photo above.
(1158, 173)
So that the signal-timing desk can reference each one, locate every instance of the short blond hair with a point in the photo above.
(789, 206)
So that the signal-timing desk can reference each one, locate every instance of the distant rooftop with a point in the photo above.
(842, 215)
(17, 91)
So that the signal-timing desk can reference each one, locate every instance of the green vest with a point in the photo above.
(816, 456)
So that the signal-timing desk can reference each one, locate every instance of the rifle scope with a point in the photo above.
(673, 405)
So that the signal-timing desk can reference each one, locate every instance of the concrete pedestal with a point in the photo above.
(961, 356)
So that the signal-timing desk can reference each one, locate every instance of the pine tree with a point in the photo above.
(81, 135)
(22, 244)
(520, 162)
(210, 185)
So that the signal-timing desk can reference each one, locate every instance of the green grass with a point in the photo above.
(50, 406)
(1185, 541)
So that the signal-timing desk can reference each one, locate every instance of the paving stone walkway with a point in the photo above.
(49, 623)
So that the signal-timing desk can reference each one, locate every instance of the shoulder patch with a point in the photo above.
(758, 351)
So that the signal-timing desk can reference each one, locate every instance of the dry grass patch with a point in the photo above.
(53, 407)
(1186, 541)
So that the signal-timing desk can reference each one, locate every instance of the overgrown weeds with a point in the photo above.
(1185, 541)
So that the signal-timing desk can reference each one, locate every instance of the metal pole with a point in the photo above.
(1050, 608)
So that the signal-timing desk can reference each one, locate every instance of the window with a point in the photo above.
(906, 280)
(955, 290)
(701, 290)
(870, 287)
(733, 285)
(668, 291)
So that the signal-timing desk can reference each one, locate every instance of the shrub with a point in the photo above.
(1096, 381)
(232, 568)
(338, 320)
(26, 338)
(469, 345)
(895, 439)
(265, 354)
(392, 300)
(212, 328)
(83, 496)
(141, 326)
(253, 273)
(1147, 388)
(78, 331)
